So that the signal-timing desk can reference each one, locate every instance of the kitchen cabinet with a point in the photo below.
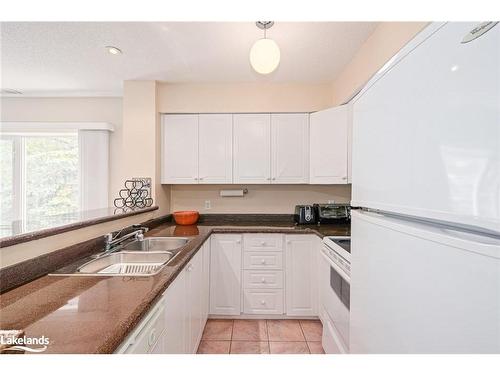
(179, 149)
(206, 280)
(235, 148)
(301, 267)
(176, 316)
(252, 148)
(328, 135)
(290, 148)
(225, 274)
(263, 273)
(215, 142)
(185, 310)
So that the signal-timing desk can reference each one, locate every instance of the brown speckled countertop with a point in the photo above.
(95, 314)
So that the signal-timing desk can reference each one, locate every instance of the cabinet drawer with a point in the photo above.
(144, 341)
(263, 260)
(263, 242)
(262, 279)
(264, 301)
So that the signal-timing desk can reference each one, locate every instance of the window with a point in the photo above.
(51, 171)
(40, 178)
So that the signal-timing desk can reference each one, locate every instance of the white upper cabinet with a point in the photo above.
(329, 145)
(179, 149)
(290, 148)
(215, 149)
(252, 148)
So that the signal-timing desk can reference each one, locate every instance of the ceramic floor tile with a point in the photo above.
(315, 347)
(218, 329)
(288, 347)
(214, 347)
(250, 330)
(284, 330)
(312, 329)
(249, 347)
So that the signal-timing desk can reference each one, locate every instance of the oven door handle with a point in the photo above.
(335, 266)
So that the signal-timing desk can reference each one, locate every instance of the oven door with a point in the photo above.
(335, 297)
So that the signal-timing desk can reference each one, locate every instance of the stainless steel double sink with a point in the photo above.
(137, 258)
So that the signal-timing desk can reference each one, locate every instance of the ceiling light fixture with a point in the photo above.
(265, 53)
(114, 50)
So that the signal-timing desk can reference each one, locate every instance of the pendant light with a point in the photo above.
(265, 53)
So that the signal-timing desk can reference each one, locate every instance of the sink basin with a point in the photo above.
(156, 244)
(127, 264)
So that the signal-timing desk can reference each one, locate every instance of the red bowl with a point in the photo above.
(186, 217)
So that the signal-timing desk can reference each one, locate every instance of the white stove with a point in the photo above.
(338, 249)
(335, 276)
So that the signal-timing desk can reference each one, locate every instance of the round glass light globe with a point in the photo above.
(265, 56)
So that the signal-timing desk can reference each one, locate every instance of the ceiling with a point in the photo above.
(69, 58)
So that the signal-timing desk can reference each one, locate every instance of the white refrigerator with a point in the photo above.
(426, 175)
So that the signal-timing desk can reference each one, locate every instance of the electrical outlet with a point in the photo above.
(331, 201)
(208, 205)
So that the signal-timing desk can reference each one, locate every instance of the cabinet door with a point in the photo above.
(194, 293)
(252, 148)
(216, 149)
(301, 270)
(290, 148)
(175, 316)
(206, 280)
(225, 274)
(179, 162)
(328, 146)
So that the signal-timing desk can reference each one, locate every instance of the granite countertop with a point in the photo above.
(95, 314)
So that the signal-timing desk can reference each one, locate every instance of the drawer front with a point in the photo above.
(263, 260)
(147, 337)
(262, 279)
(262, 242)
(263, 301)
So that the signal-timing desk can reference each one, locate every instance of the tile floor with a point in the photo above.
(225, 336)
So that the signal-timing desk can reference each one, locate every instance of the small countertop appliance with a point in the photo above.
(333, 213)
(305, 214)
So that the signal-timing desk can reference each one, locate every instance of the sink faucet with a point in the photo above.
(111, 241)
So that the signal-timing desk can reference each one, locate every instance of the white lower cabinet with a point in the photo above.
(186, 306)
(175, 324)
(263, 301)
(263, 273)
(301, 274)
(225, 274)
(231, 274)
(175, 316)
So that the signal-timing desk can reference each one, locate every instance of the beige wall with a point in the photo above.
(278, 199)
(387, 39)
(242, 97)
(248, 97)
(140, 145)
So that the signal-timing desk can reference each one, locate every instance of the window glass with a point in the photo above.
(51, 177)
